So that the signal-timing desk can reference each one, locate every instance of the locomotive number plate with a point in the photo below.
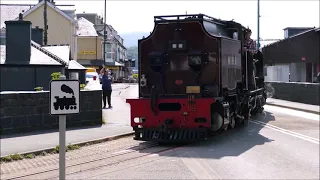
(192, 89)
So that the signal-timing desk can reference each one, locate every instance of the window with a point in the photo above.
(2, 40)
(108, 51)
(286, 34)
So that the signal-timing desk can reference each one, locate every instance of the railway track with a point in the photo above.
(89, 159)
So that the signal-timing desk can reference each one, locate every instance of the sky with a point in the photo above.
(137, 16)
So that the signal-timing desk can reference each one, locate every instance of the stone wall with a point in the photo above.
(308, 93)
(29, 111)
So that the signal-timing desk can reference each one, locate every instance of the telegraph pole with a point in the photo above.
(104, 32)
(258, 43)
(45, 38)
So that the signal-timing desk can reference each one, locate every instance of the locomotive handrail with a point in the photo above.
(200, 17)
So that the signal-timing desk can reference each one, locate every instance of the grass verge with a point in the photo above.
(17, 157)
(70, 147)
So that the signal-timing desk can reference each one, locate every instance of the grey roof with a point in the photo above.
(291, 37)
(11, 12)
(86, 28)
(37, 57)
(298, 28)
(63, 53)
(74, 65)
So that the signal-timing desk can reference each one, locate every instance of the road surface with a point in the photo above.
(279, 144)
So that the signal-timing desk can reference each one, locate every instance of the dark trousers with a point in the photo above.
(106, 94)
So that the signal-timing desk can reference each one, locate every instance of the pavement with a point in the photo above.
(117, 123)
(294, 105)
(278, 144)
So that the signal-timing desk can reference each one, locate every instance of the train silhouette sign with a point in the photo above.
(64, 97)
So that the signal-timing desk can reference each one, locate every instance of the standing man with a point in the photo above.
(106, 87)
(249, 50)
(249, 44)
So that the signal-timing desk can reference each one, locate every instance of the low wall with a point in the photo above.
(308, 93)
(29, 111)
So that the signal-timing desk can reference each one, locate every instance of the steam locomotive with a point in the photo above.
(195, 79)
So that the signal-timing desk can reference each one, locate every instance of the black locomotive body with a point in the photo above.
(195, 79)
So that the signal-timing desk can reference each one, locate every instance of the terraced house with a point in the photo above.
(60, 45)
(91, 27)
(61, 22)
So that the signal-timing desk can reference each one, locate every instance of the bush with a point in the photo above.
(55, 75)
(82, 86)
(135, 76)
(30, 156)
(38, 88)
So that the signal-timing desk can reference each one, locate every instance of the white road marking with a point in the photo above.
(292, 112)
(252, 130)
(199, 168)
(287, 130)
(291, 133)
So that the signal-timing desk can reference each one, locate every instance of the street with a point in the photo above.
(187, 73)
(279, 144)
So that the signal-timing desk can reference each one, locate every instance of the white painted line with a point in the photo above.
(197, 166)
(292, 112)
(298, 134)
(291, 133)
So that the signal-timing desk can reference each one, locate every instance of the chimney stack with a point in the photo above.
(18, 41)
(37, 35)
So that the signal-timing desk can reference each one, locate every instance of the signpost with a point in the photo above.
(64, 99)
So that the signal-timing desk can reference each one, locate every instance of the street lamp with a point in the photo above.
(258, 39)
(104, 32)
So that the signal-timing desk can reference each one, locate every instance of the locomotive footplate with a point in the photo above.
(171, 135)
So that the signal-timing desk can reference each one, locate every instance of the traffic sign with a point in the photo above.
(64, 97)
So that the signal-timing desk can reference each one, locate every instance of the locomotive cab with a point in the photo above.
(190, 68)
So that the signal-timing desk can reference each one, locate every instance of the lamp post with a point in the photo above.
(104, 33)
(258, 39)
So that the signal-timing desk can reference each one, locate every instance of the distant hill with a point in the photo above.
(131, 39)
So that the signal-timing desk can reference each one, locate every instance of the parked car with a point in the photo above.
(92, 77)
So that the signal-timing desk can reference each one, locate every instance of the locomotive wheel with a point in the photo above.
(75, 107)
(226, 128)
(245, 121)
(67, 107)
(232, 122)
(61, 107)
(254, 111)
(56, 107)
(71, 107)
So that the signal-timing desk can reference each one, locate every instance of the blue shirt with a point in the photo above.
(106, 82)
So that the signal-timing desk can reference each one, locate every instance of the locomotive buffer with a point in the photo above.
(64, 99)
